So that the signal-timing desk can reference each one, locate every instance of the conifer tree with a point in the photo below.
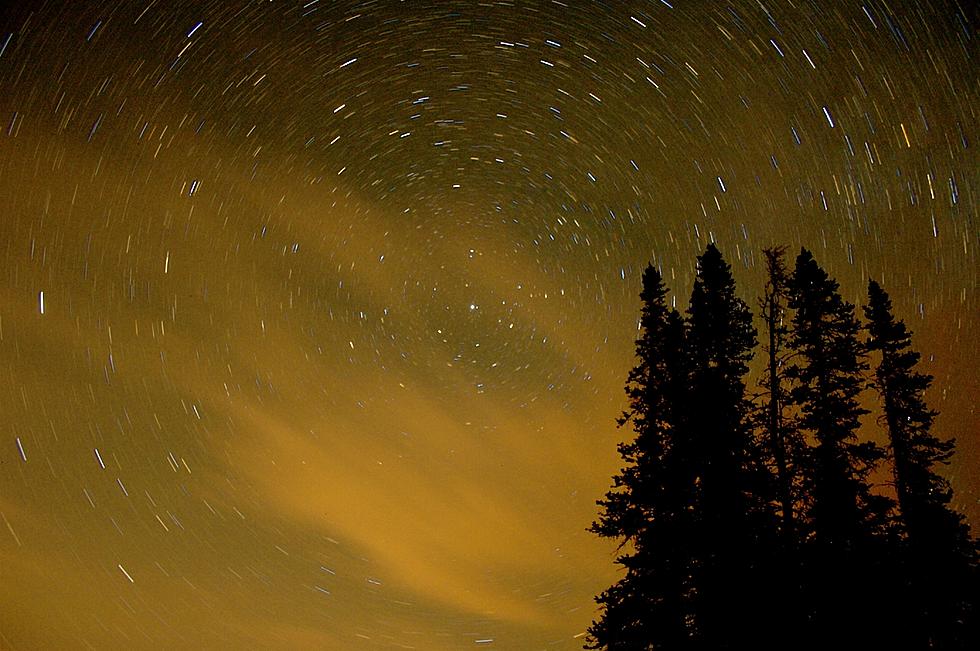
(646, 510)
(842, 514)
(707, 563)
(941, 561)
(732, 510)
(780, 439)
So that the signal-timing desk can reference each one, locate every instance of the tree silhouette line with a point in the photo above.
(751, 520)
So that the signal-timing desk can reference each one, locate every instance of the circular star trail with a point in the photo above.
(316, 315)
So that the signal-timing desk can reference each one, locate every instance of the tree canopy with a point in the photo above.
(762, 521)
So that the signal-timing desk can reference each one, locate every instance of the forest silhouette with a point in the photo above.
(750, 518)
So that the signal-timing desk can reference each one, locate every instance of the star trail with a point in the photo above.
(316, 315)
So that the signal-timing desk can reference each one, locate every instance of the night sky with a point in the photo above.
(315, 316)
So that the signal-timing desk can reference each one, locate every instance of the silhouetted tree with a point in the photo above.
(781, 441)
(940, 601)
(646, 510)
(732, 510)
(842, 514)
(739, 533)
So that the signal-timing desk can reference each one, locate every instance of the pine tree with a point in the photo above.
(707, 563)
(732, 509)
(781, 441)
(940, 556)
(842, 514)
(646, 509)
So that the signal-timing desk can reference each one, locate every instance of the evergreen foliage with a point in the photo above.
(646, 509)
(757, 526)
(940, 559)
(730, 514)
(828, 374)
(841, 516)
